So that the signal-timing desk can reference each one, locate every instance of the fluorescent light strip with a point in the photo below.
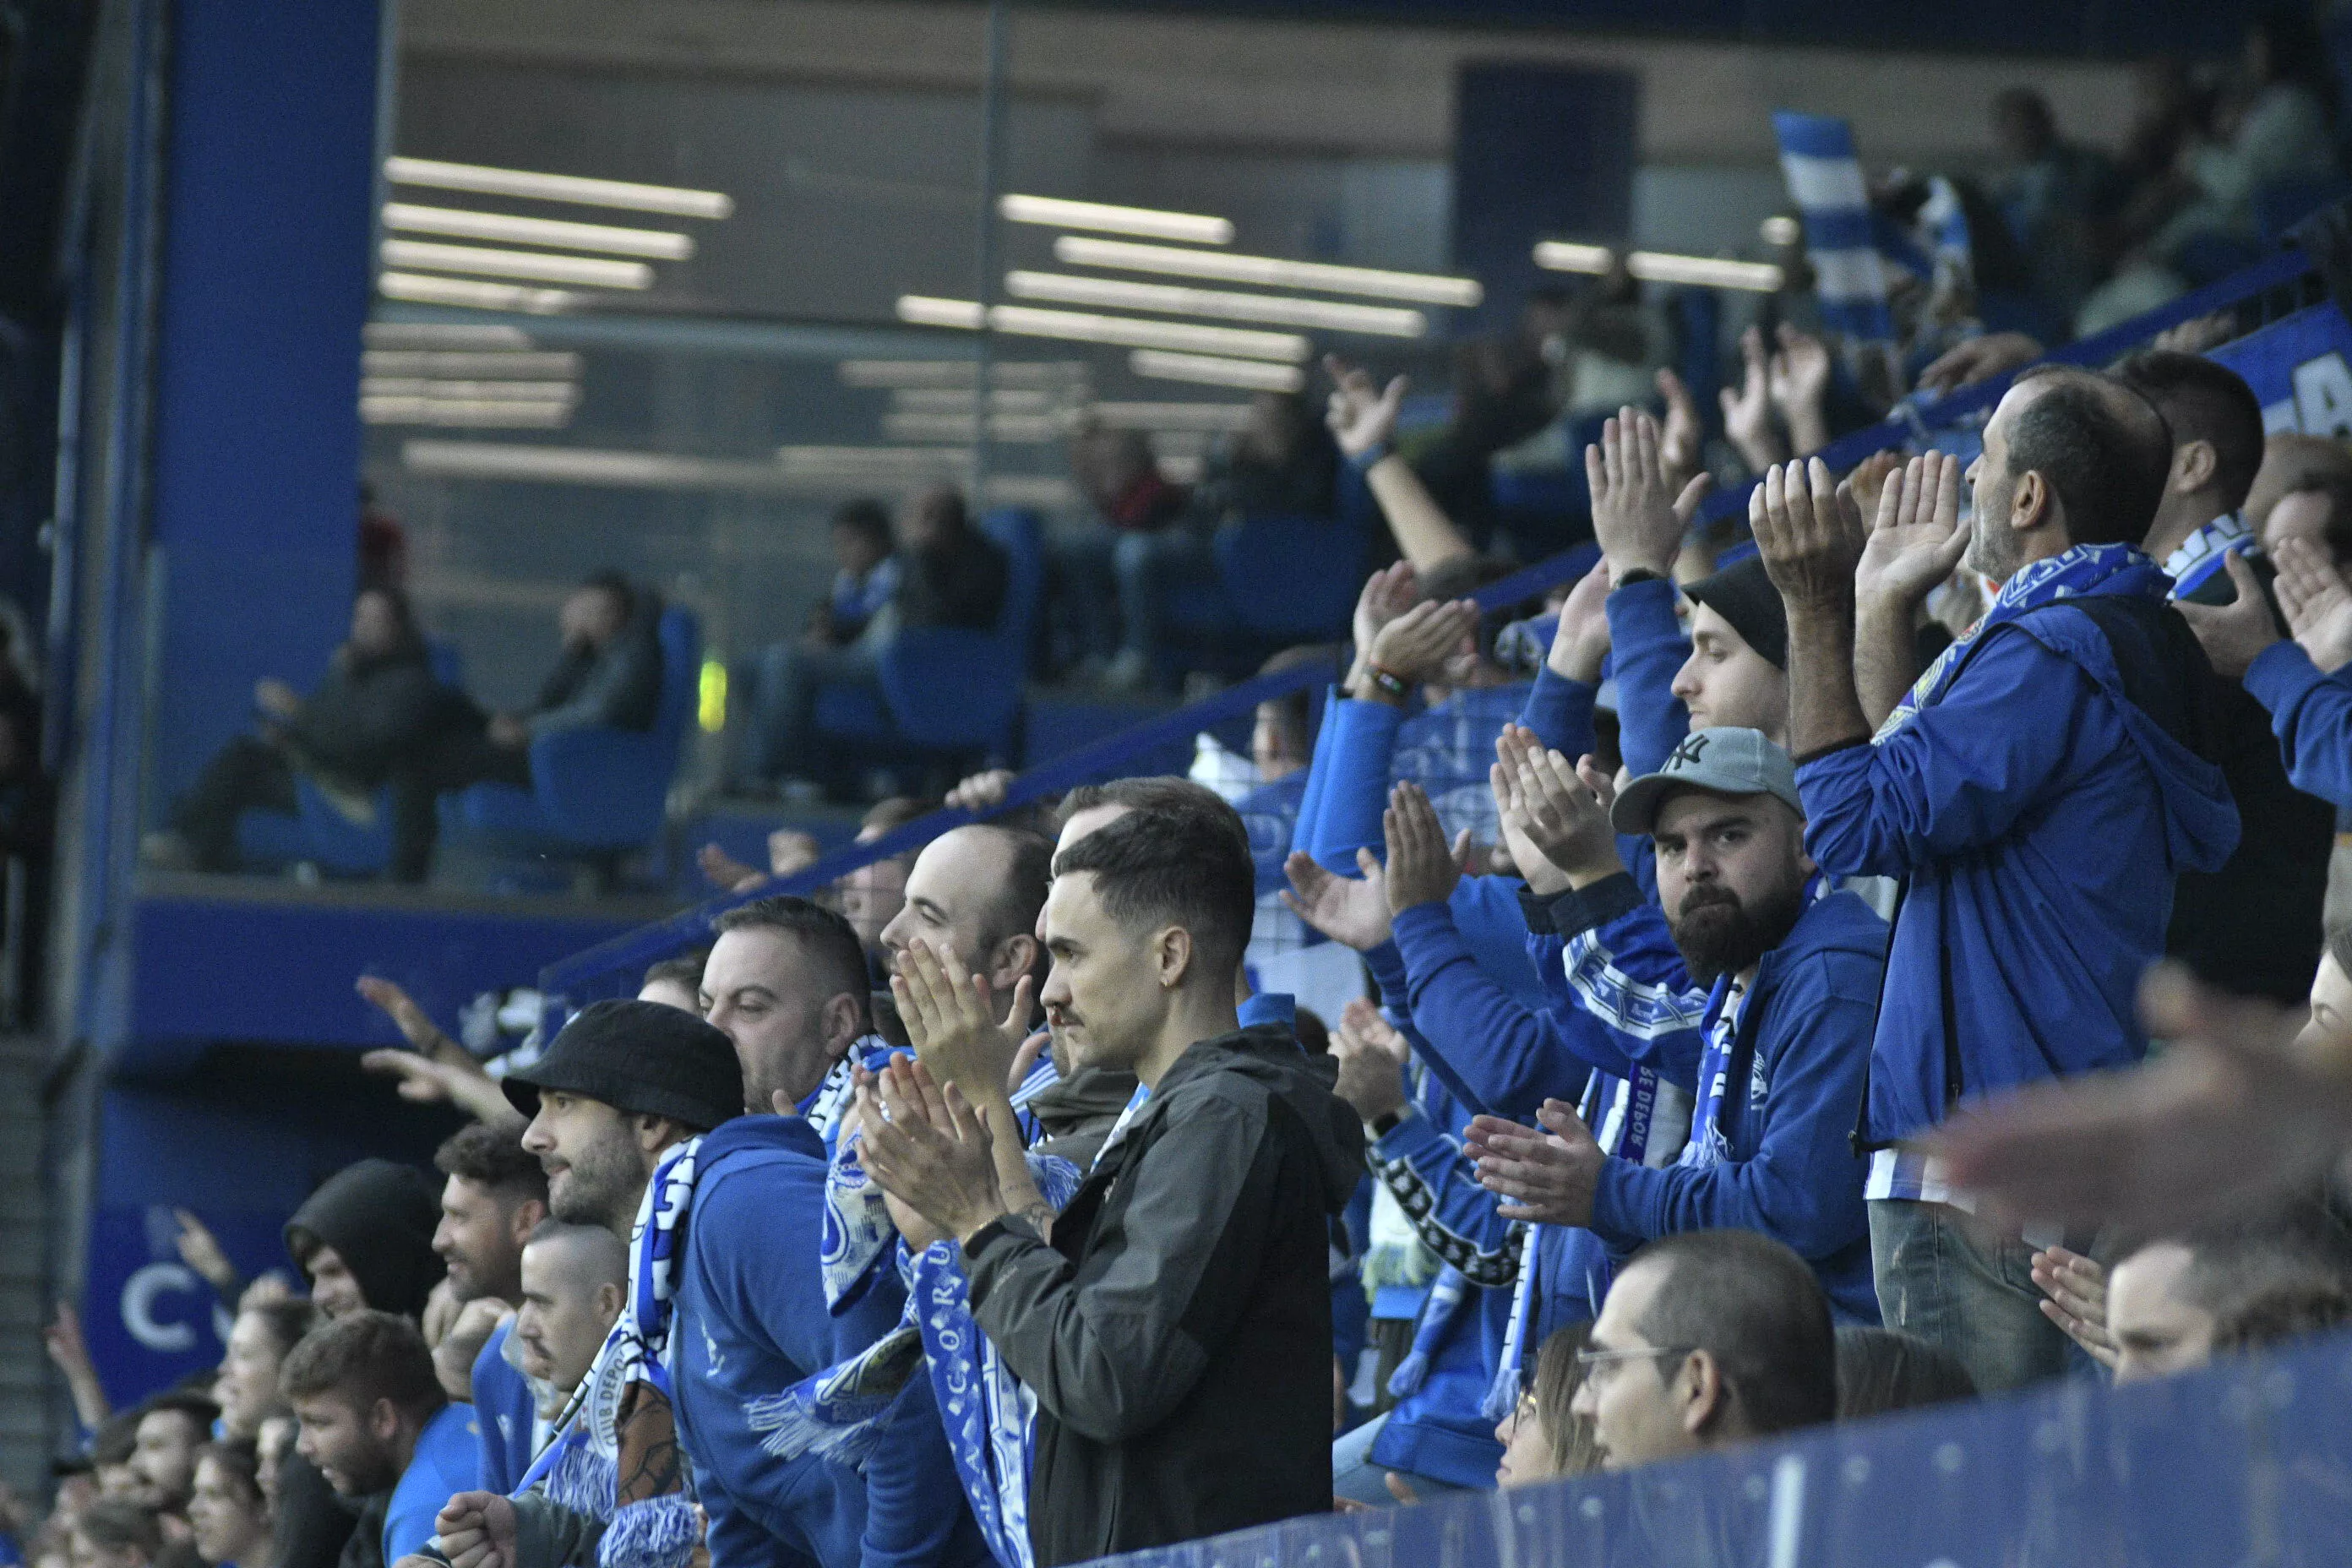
(790, 475)
(443, 335)
(1021, 429)
(1267, 271)
(506, 390)
(543, 365)
(1197, 416)
(474, 293)
(1661, 267)
(907, 372)
(1131, 331)
(478, 414)
(1054, 213)
(1171, 299)
(1205, 370)
(961, 399)
(672, 199)
(592, 271)
(651, 243)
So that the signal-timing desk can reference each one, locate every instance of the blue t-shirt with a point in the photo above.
(503, 1416)
(448, 1461)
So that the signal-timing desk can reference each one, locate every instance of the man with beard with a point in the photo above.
(1766, 1018)
(375, 1420)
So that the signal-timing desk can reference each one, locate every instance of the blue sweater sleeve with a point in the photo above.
(1646, 651)
(1510, 1057)
(1319, 780)
(1804, 1182)
(2312, 715)
(1560, 710)
(1387, 965)
(1961, 774)
(1633, 1000)
(916, 1516)
(1433, 1183)
(1361, 745)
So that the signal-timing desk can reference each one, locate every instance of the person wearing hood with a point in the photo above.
(2039, 788)
(1174, 1319)
(364, 1240)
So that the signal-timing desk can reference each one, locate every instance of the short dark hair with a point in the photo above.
(1754, 1305)
(199, 1408)
(239, 1458)
(2203, 400)
(2283, 1312)
(2337, 533)
(287, 1320)
(2339, 945)
(492, 1157)
(118, 1524)
(362, 1357)
(2107, 474)
(685, 969)
(116, 1437)
(866, 518)
(1294, 714)
(1164, 794)
(1879, 1370)
(821, 931)
(1179, 869)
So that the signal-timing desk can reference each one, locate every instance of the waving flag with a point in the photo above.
(1825, 177)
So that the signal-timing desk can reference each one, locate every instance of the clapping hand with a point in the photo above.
(1548, 1176)
(1637, 519)
(1679, 437)
(1387, 593)
(1372, 1056)
(1748, 413)
(2235, 634)
(1580, 641)
(930, 1149)
(1916, 538)
(1810, 538)
(1421, 868)
(2317, 602)
(1797, 378)
(1559, 809)
(1352, 910)
(1419, 645)
(952, 1024)
(2075, 1297)
(1362, 415)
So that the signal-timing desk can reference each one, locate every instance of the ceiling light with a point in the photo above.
(798, 471)
(430, 387)
(1131, 332)
(460, 365)
(443, 335)
(897, 373)
(1171, 299)
(672, 199)
(1025, 429)
(961, 399)
(1267, 271)
(1206, 417)
(1780, 229)
(473, 292)
(1206, 370)
(655, 244)
(476, 412)
(1055, 213)
(593, 271)
(1661, 267)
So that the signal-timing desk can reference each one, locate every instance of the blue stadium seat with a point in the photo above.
(1293, 579)
(594, 790)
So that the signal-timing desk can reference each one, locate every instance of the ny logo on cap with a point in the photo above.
(1687, 755)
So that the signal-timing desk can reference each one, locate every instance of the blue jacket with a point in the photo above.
(503, 1415)
(752, 1320)
(1795, 1080)
(2311, 713)
(2039, 817)
(1646, 651)
(446, 1462)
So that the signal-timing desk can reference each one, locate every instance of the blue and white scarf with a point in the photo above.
(2207, 552)
(2082, 569)
(1708, 1144)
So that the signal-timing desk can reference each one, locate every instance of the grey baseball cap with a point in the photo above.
(1721, 762)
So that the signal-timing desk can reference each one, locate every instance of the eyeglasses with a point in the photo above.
(1590, 1361)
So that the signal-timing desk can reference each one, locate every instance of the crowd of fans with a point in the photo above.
(1710, 1002)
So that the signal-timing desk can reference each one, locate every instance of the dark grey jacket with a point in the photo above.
(1177, 1331)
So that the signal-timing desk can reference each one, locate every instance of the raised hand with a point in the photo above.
(1680, 435)
(1979, 359)
(1418, 643)
(1810, 538)
(1638, 520)
(1352, 910)
(1423, 869)
(1542, 878)
(2317, 602)
(981, 792)
(1580, 641)
(1916, 538)
(1748, 413)
(1387, 593)
(2235, 634)
(2075, 1297)
(201, 1250)
(1362, 415)
(1548, 1176)
(1797, 378)
(951, 1023)
(1869, 476)
(1371, 1055)
(929, 1149)
(721, 869)
(1559, 809)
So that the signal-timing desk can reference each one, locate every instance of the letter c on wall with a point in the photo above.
(139, 1296)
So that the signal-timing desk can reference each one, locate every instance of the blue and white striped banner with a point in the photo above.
(1817, 157)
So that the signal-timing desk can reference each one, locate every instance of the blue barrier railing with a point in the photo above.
(2247, 1462)
(612, 967)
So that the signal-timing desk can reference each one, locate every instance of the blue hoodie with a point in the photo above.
(2311, 712)
(752, 1321)
(1795, 1080)
(503, 1413)
(2041, 817)
(1646, 651)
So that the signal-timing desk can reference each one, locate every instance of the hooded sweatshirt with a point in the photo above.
(379, 1217)
(1177, 1331)
(2040, 810)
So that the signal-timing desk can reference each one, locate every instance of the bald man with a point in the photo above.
(575, 1278)
(2040, 790)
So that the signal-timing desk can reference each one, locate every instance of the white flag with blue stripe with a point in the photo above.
(1817, 157)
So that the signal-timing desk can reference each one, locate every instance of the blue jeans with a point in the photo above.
(1357, 1478)
(1944, 1275)
(787, 677)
